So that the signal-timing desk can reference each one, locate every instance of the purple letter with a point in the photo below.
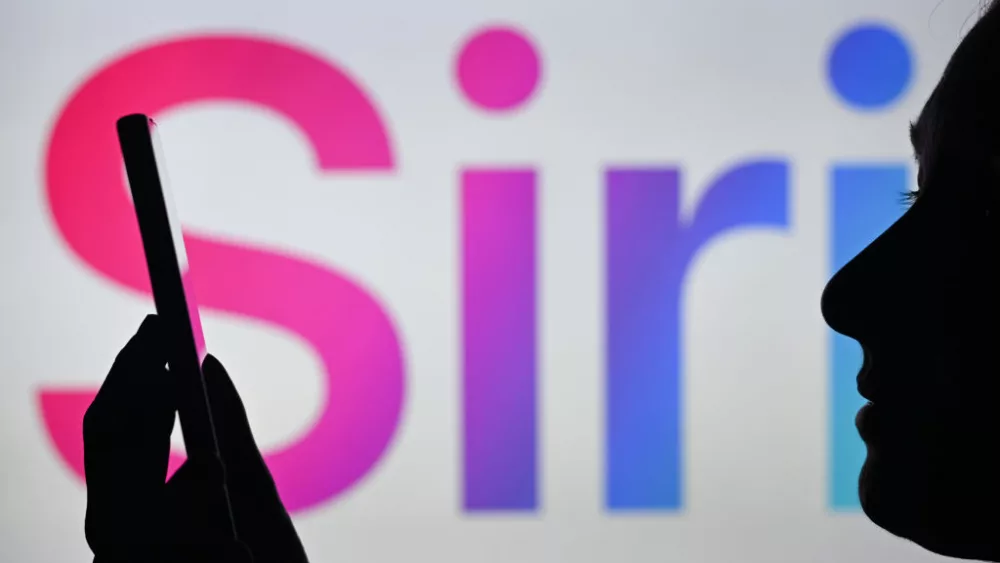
(498, 284)
(649, 249)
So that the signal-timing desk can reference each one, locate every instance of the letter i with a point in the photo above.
(869, 68)
(498, 70)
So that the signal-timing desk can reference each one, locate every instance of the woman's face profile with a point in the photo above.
(922, 301)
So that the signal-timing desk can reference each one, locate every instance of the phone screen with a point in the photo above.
(172, 283)
(178, 240)
(170, 277)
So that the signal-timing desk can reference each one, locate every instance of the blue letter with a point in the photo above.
(866, 202)
(648, 253)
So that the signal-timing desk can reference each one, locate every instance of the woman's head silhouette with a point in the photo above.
(923, 300)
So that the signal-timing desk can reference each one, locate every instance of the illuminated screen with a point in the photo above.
(501, 281)
(176, 235)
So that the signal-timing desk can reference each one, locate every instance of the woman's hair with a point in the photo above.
(968, 91)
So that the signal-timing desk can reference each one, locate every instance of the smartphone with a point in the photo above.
(170, 278)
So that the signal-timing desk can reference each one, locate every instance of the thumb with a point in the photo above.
(261, 519)
(237, 445)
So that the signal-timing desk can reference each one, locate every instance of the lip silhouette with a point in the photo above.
(866, 422)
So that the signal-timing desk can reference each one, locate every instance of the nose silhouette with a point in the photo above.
(874, 289)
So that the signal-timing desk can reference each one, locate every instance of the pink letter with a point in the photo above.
(347, 327)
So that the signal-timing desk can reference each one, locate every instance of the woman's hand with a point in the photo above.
(134, 513)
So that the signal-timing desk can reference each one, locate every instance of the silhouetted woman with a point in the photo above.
(922, 300)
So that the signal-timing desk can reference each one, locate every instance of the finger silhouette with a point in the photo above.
(232, 426)
(261, 519)
(126, 435)
(198, 526)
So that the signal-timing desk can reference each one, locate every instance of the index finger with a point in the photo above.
(126, 436)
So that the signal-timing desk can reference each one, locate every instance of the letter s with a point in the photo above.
(349, 330)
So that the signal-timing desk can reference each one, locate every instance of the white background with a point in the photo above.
(696, 83)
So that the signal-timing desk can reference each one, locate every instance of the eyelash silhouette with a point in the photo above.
(907, 197)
